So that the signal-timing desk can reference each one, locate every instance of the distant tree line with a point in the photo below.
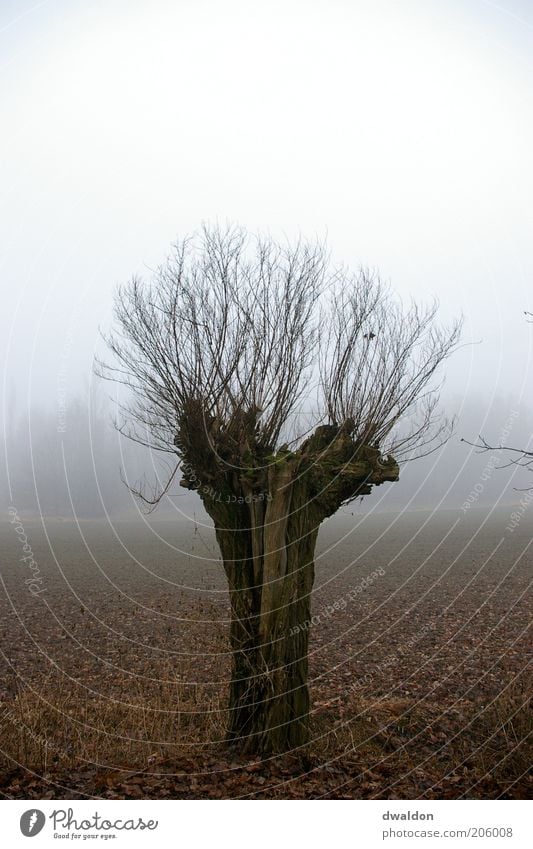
(67, 462)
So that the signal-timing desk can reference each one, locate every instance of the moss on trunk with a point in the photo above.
(267, 510)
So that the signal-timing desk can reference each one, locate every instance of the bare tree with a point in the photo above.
(521, 457)
(283, 388)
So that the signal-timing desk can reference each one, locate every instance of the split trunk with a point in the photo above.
(266, 518)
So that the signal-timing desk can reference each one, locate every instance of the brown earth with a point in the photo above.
(113, 678)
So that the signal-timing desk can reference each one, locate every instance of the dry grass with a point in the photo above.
(400, 710)
(502, 733)
(65, 728)
(390, 748)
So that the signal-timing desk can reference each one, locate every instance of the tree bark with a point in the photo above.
(270, 607)
(266, 519)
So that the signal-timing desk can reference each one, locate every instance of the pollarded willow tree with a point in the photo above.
(283, 388)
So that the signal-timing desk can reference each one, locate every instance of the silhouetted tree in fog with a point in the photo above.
(282, 388)
(520, 457)
(67, 466)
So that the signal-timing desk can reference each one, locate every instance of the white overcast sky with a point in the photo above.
(403, 130)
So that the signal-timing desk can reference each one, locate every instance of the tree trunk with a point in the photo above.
(270, 570)
(267, 509)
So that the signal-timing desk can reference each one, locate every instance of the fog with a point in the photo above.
(402, 132)
(75, 465)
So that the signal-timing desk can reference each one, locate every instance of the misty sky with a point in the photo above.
(403, 131)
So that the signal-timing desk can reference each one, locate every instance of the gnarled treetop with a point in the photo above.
(244, 344)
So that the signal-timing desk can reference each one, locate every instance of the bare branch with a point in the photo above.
(225, 347)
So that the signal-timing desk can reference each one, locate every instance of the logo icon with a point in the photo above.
(31, 822)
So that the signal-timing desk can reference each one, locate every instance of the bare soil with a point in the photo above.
(113, 678)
